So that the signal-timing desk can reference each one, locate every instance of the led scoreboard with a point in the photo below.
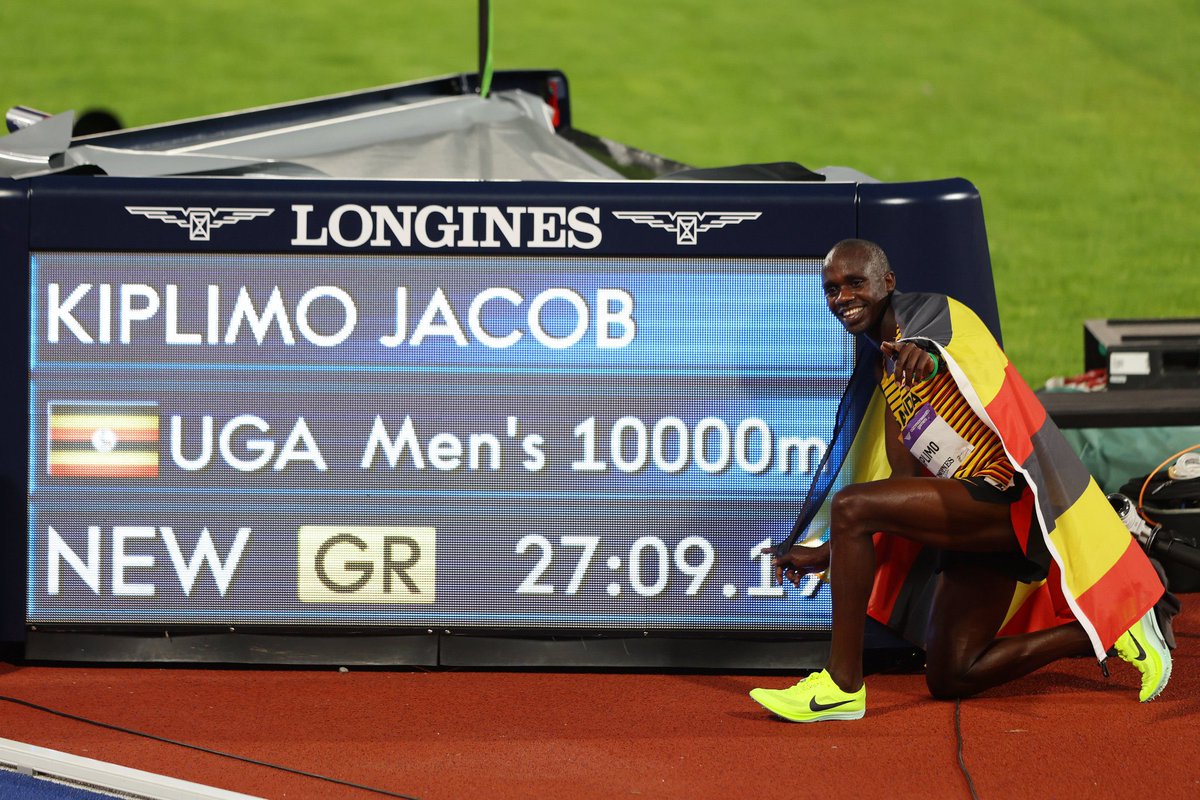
(364, 429)
(433, 406)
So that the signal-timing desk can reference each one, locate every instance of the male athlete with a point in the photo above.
(969, 464)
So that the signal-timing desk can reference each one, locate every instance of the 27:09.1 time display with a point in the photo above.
(650, 566)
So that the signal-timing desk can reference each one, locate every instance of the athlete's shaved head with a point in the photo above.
(869, 254)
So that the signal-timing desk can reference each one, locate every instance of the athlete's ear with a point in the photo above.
(889, 281)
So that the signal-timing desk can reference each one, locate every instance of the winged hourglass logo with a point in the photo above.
(199, 221)
(687, 225)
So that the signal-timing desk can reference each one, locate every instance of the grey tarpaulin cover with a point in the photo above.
(507, 136)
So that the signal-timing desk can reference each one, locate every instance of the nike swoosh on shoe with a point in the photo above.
(813, 705)
(1141, 656)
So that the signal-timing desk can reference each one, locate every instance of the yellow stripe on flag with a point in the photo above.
(868, 452)
(975, 352)
(1094, 536)
(113, 458)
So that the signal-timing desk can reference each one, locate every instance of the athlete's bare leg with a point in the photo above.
(963, 655)
(940, 513)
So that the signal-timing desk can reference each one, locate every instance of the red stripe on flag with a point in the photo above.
(1021, 513)
(1119, 598)
(895, 557)
(104, 470)
(1044, 608)
(1017, 414)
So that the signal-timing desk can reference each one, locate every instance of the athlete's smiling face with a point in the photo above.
(855, 290)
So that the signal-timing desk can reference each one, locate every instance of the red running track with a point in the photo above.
(1065, 732)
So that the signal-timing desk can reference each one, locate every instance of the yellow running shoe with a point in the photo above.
(1143, 646)
(814, 699)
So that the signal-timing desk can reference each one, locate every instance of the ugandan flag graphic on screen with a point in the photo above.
(103, 440)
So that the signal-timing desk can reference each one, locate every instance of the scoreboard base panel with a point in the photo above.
(263, 649)
(481, 650)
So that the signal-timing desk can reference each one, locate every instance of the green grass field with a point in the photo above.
(1078, 121)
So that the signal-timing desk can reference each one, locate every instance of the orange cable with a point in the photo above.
(1154, 472)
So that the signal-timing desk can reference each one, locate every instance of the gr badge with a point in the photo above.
(366, 564)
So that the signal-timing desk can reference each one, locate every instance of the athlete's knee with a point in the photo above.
(944, 685)
(949, 681)
(851, 509)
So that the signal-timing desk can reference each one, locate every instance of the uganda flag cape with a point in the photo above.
(1097, 573)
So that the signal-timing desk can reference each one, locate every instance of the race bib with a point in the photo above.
(936, 445)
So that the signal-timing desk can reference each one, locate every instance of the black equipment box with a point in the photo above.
(1144, 353)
